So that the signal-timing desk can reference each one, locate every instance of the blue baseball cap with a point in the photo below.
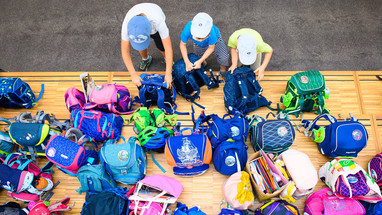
(139, 29)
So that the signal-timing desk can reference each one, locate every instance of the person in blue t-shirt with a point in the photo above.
(207, 39)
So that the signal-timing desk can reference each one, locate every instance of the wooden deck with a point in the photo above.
(358, 92)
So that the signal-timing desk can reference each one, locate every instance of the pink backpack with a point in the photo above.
(325, 202)
(111, 98)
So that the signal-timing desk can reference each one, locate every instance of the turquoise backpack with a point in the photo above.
(94, 179)
(125, 162)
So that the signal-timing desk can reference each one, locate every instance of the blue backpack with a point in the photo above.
(188, 83)
(94, 178)
(242, 92)
(154, 92)
(230, 156)
(340, 139)
(372, 208)
(273, 136)
(126, 162)
(15, 93)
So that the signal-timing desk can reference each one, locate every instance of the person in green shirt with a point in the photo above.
(246, 48)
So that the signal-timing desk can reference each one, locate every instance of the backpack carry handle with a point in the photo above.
(271, 113)
(310, 126)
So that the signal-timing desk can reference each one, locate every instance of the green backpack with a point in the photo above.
(305, 92)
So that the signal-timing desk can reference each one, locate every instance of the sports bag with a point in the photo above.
(272, 136)
(153, 92)
(242, 92)
(221, 129)
(188, 83)
(325, 202)
(94, 178)
(97, 125)
(69, 153)
(375, 168)
(237, 191)
(277, 208)
(305, 92)
(349, 180)
(302, 172)
(339, 139)
(125, 162)
(230, 156)
(15, 93)
(190, 155)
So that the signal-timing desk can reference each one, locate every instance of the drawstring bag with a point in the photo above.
(237, 191)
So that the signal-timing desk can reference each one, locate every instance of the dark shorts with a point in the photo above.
(158, 41)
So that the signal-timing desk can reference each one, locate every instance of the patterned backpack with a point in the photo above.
(305, 92)
(94, 178)
(15, 93)
(375, 168)
(242, 92)
(277, 208)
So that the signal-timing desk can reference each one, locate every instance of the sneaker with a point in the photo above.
(145, 64)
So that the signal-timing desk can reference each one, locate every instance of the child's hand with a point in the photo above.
(189, 66)
(136, 80)
(197, 64)
(168, 80)
(232, 68)
(260, 73)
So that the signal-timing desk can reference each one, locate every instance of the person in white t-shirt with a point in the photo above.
(141, 22)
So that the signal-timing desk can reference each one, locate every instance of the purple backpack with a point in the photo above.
(110, 98)
(375, 169)
(277, 207)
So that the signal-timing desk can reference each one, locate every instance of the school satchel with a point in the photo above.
(15, 93)
(277, 207)
(305, 92)
(271, 136)
(338, 139)
(230, 156)
(375, 168)
(189, 155)
(125, 162)
(242, 92)
(111, 202)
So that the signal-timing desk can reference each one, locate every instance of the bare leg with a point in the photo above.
(144, 54)
(223, 68)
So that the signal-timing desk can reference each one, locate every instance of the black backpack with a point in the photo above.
(111, 202)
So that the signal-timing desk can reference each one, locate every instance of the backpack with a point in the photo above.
(15, 93)
(227, 211)
(110, 98)
(338, 139)
(153, 92)
(189, 155)
(125, 162)
(305, 92)
(222, 129)
(277, 208)
(230, 156)
(188, 83)
(6, 143)
(242, 92)
(182, 209)
(97, 125)
(94, 178)
(325, 202)
(375, 168)
(372, 208)
(112, 201)
(271, 136)
(237, 191)
(69, 153)
(347, 179)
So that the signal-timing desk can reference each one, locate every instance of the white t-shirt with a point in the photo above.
(153, 13)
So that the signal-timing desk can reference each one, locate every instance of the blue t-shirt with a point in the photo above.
(210, 40)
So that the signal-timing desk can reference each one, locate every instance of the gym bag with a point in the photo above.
(190, 155)
(98, 125)
(375, 168)
(230, 156)
(347, 179)
(188, 83)
(125, 162)
(277, 208)
(325, 202)
(221, 129)
(94, 178)
(153, 92)
(242, 92)
(15, 93)
(339, 139)
(305, 92)
(69, 153)
(271, 136)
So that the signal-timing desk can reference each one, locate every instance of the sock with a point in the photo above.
(146, 58)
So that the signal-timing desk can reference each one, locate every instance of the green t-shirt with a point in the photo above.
(261, 45)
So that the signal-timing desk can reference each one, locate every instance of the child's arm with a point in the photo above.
(207, 53)
(261, 69)
(168, 53)
(125, 49)
(183, 50)
(235, 58)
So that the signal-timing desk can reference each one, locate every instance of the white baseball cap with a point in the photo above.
(201, 25)
(247, 49)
